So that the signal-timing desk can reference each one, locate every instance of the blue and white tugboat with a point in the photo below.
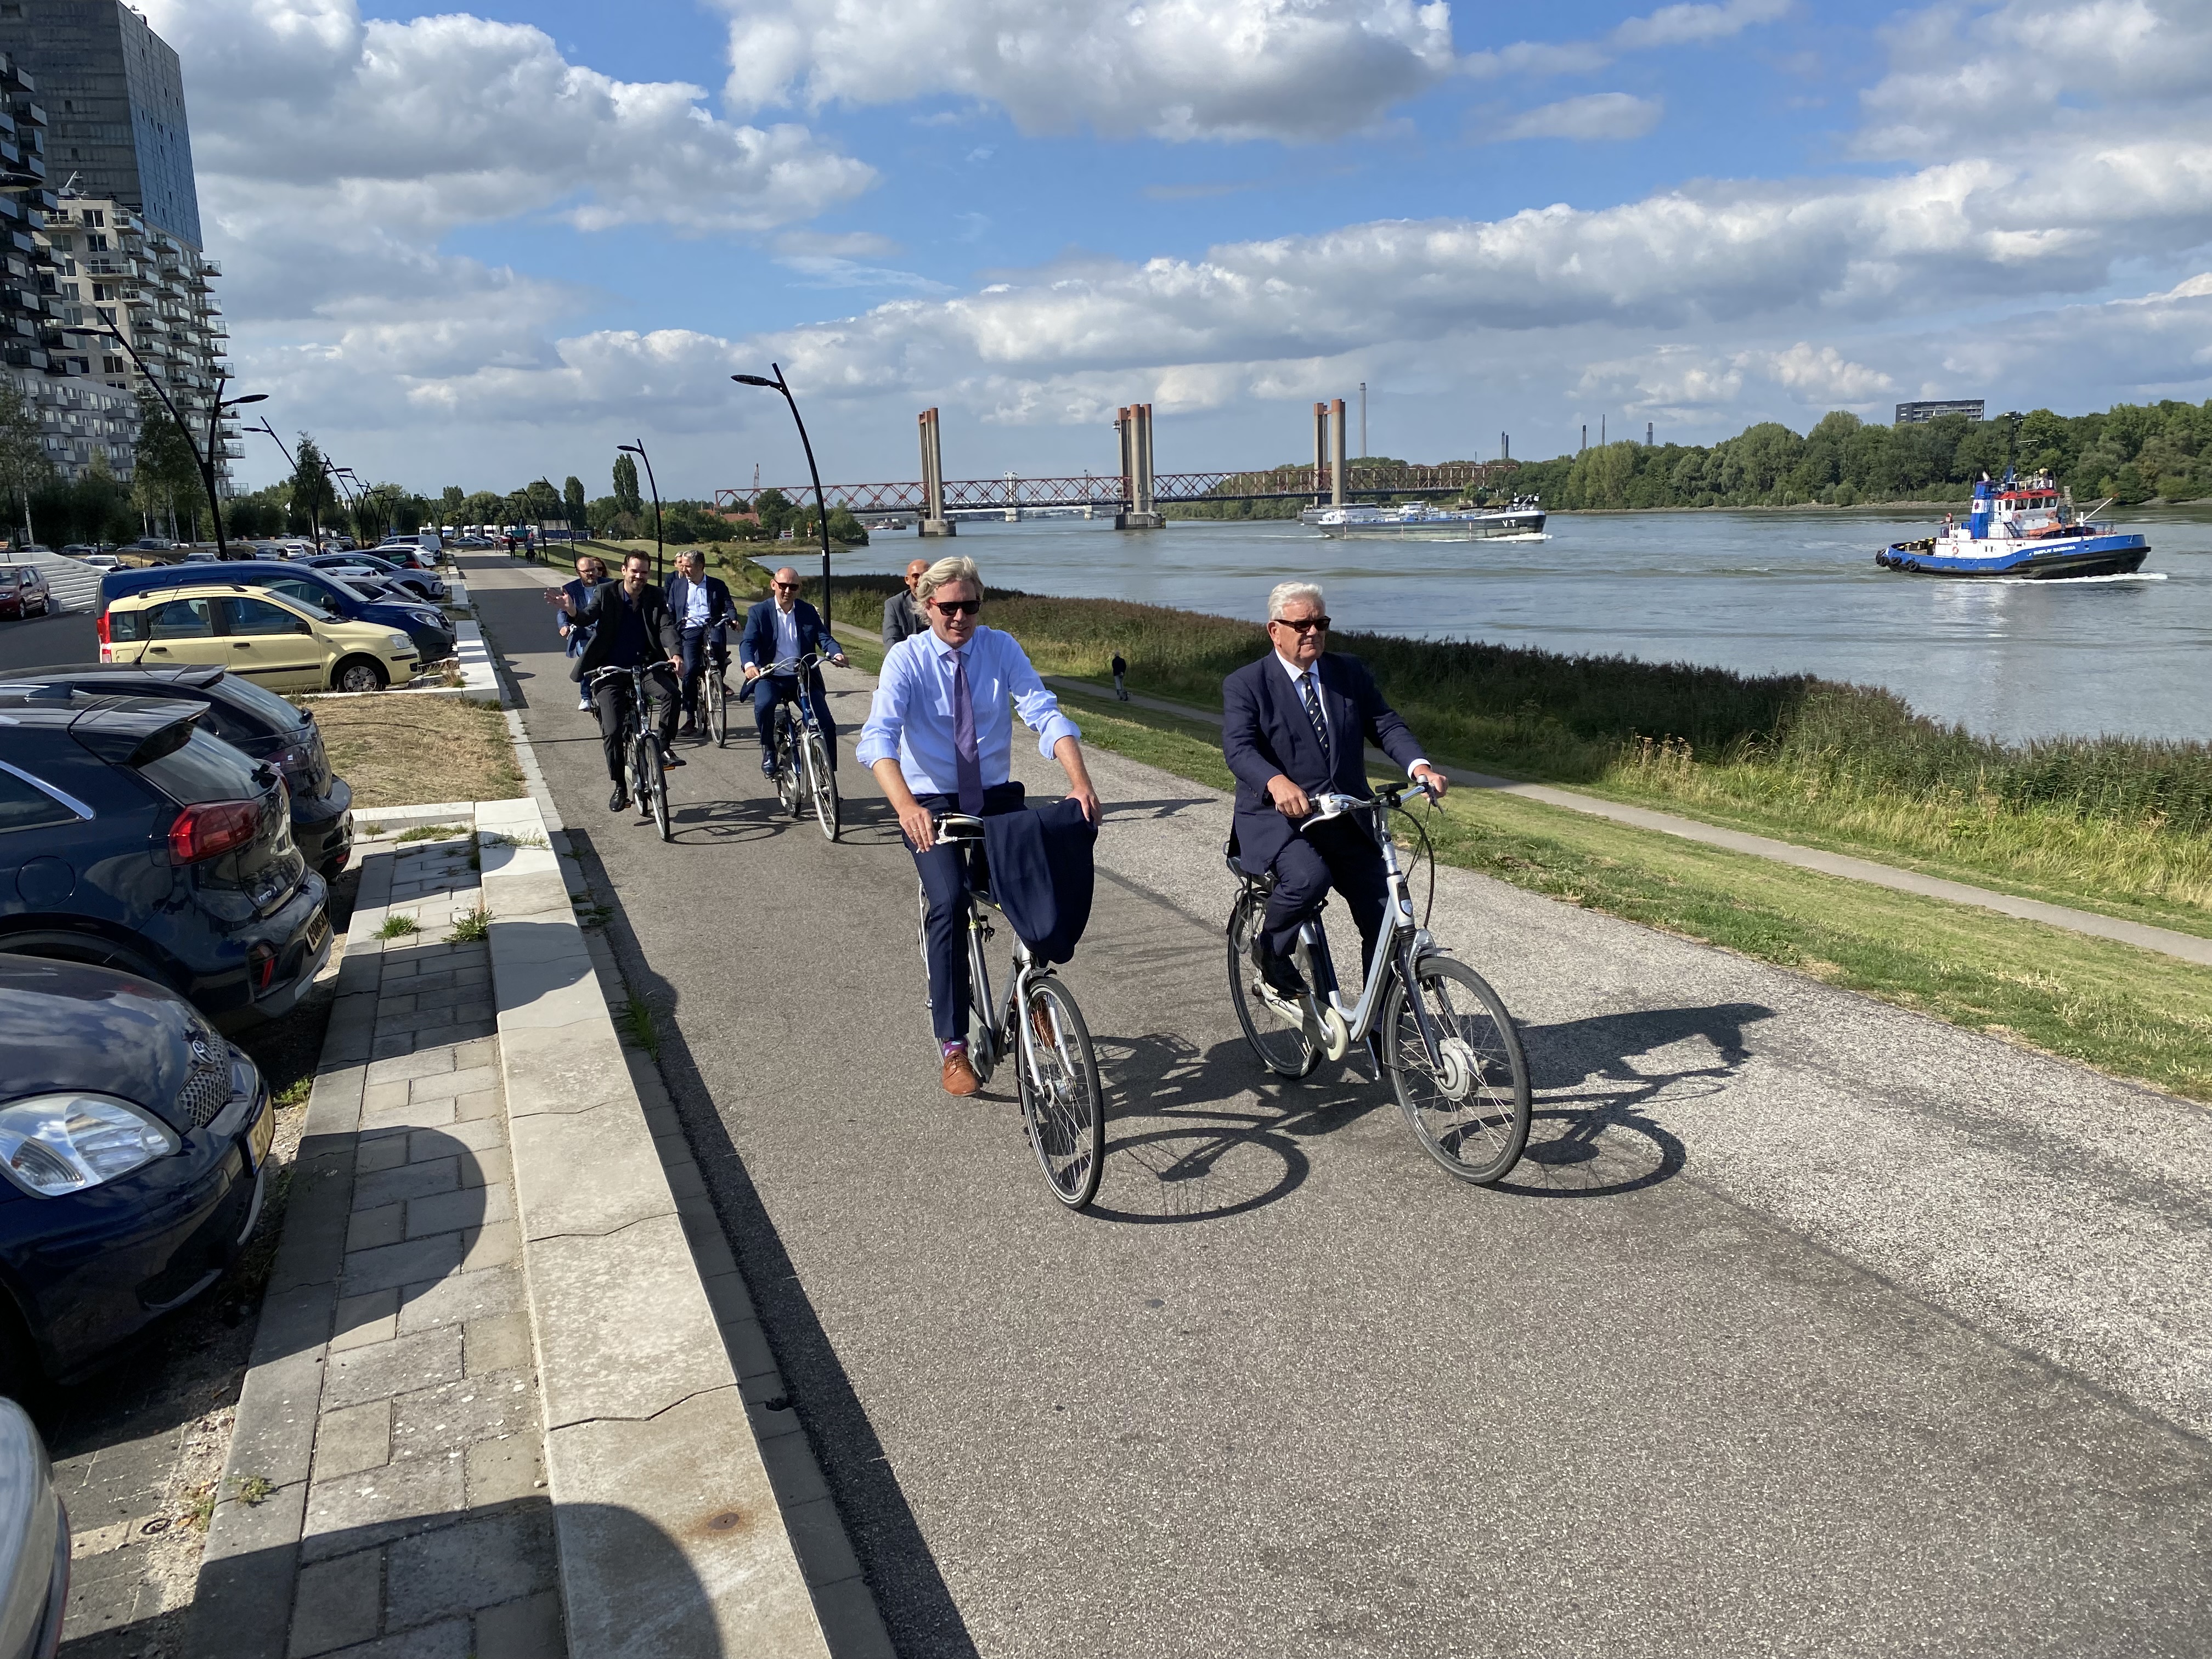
(2026, 530)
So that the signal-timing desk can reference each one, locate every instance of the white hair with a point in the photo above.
(953, 568)
(1285, 592)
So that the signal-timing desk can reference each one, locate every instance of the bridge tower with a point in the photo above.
(1135, 426)
(1336, 453)
(933, 521)
(1320, 452)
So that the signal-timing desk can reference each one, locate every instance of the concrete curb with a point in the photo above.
(2188, 947)
(644, 1416)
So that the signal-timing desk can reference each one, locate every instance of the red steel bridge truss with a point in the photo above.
(1281, 484)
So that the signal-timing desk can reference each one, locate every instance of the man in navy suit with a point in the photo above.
(701, 604)
(1294, 724)
(779, 629)
(574, 635)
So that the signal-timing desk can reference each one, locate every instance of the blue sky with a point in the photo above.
(524, 237)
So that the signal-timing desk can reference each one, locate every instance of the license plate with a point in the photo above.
(261, 1136)
(318, 929)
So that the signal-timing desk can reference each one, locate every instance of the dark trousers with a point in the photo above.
(611, 695)
(1341, 854)
(945, 872)
(770, 689)
(700, 645)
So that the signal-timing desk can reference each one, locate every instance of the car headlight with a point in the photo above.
(67, 1143)
(400, 641)
(428, 618)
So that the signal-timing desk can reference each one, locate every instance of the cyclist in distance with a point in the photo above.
(940, 738)
(1296, 724)
(701, 604)
(782, 629)
(630, 626)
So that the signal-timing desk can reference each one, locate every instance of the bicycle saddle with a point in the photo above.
(1262, 881)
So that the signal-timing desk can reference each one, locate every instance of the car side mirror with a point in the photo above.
(301, 625)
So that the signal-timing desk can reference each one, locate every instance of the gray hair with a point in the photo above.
(953, 568)
(1284, 593)
(689, 554)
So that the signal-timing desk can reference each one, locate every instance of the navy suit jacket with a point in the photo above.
(579, 634)
(1265, 732)
(719, 608)
(758, 646)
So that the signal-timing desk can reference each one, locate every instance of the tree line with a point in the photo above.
(2132, 453)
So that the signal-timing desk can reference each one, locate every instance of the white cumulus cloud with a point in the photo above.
(1596, 115)
(1171, 69)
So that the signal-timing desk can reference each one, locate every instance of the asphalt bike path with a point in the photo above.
(1808, 1326)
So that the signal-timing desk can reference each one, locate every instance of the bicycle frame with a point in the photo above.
(800, 670)
(958, 827)
(1400, 943)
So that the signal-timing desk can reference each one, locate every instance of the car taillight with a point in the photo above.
(100, 627)
(261, 962)
(212, 828)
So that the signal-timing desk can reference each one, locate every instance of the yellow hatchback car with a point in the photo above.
(270, 639)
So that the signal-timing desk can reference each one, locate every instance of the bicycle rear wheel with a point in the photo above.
(787, 765)
(1283, 1049)
(653, 779)
(1472, 1116)
(1063, 1108)
(827, 810)
(718, 706)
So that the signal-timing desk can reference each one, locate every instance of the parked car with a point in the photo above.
(133, 1145)
(257, 723)
(23, 591)
(131, 839)
(35, 1541)
(271, 638)
(155, 544)
(99, 561)
(424, 624)
(422, 583)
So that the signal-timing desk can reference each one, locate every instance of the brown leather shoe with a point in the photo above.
(959, 1075)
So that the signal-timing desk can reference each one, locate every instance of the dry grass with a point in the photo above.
(402, 751)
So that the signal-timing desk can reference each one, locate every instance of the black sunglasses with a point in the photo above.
(787, 587)
(957, 607)
(1303, 624)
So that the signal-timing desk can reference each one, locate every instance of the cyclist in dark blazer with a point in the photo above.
(702, 606)
(630, 625)
(1296, 724)
(777, 629)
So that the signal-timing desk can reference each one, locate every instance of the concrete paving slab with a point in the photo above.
(623, 1328)
(626, 1185)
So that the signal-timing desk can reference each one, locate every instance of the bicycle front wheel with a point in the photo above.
(718, 707)
(1283, 1049)
(827, 810)
(652, 778)
(1063, 1108)
(1470, 1114)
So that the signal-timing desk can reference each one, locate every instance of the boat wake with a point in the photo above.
(2073, 581)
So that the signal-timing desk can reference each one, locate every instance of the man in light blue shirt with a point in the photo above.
(939, 738)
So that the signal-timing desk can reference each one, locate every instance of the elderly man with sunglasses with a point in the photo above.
(782, 629)
(1296, 724)
(939, 738)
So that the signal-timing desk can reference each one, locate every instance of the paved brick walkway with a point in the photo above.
(424, 1525)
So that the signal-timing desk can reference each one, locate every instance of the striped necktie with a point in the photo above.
(1312, 696)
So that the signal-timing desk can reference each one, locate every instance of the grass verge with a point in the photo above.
(401, 750)
(2130, 1012)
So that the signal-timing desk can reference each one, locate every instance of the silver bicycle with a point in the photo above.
(1038, 1026)
(1429, 1020)
(801, 751)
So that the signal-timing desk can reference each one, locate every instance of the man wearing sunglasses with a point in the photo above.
(782, 629)
(940, 738)
(1296, 724)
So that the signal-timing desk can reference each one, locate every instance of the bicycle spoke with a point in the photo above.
(1479, 1135)
(1062, 1106)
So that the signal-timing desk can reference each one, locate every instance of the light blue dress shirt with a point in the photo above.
(911, 717)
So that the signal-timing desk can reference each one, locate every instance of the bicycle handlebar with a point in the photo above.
(789, 667)
(1331, 804)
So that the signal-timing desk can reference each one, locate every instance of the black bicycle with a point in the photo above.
(1432, 1023)
(643, 776)
(715, 696)
(800, 749)
(1038, 1026)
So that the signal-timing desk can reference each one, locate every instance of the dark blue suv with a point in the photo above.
(131, 838)
(424, 623)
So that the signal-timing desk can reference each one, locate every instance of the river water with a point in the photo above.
(1759, 593)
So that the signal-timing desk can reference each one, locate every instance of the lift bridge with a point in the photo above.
(1134, 493)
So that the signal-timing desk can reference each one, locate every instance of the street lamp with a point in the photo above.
(820, 502)
(638, 450)
(203, 458)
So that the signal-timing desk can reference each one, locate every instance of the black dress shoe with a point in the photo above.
(619, 800)
(1279, 973)
(670, 760)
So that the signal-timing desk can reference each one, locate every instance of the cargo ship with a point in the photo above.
(1521, 519)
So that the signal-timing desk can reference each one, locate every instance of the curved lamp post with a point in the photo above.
(638, 450)
(820, 502)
